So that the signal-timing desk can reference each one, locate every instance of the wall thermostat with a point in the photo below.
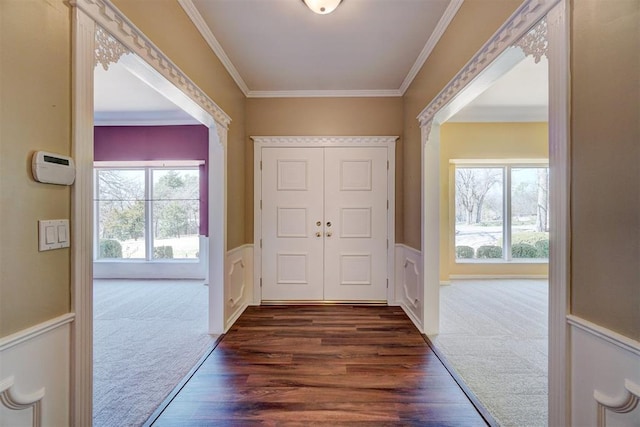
(53, 168)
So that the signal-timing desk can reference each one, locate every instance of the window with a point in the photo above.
(501, 212)
(147, 213)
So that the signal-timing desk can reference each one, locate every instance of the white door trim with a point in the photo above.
(86, 16)
(439, 109)
(322, 141)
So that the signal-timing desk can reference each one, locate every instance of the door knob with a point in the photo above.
(318, 234)
(329, 234)
(328, 223)
(318, 223)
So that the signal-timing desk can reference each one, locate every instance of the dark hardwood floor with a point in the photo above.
(328, 365)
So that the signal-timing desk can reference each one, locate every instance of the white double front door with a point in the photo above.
(324, 224)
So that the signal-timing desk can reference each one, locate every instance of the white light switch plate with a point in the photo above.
(53, 234)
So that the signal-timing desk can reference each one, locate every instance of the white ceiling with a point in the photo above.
(520, 95)
(276, 48)
(282, 46)
(121, 98)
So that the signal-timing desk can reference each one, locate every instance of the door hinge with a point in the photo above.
(260, 243)
(387, 243)
(387, 164)
(260, 204)
(261, 283)
(260, 164)
(387, 283)
(387, 204)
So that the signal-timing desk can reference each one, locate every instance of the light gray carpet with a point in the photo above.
(147, 337)
(494, 333)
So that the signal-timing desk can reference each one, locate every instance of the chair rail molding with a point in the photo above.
(35, 331)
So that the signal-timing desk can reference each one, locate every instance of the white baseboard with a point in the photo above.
(238, 282)
(35, 374)
(605, 376)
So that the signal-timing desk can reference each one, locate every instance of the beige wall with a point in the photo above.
(190, 52)
(483, 141)
(35, 114)
(36, 88)
(605, 126)
(322, 116)
(475, 22)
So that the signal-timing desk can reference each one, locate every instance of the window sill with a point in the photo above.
(144, 261)
(502, 261)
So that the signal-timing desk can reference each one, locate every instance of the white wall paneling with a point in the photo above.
(35, 375)
(409, 279)
(238, 283)
(605, 376)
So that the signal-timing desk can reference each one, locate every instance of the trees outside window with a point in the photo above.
(501, 212)
(147, 213)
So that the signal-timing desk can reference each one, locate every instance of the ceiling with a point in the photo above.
(520, 95)
(121, 98)
(280, 48)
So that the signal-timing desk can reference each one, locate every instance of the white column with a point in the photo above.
(430, 137)
(217, 230)
(559, 162)
(81, 398)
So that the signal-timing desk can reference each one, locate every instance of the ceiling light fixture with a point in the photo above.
(322, 7)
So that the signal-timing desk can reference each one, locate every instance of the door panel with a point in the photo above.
(356, 209)
(292, 205)
(324, 224)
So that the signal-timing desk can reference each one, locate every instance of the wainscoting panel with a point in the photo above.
(605, 372)
(409, 283)
(34, 375)
(238, 282)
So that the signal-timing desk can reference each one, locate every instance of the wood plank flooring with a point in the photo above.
(321, 365)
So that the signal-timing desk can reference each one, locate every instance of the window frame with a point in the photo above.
(148, 167)
(507, 165)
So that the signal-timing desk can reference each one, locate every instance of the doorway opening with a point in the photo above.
(464, 87)
(150, 234)
(495, 242)
(145, 61)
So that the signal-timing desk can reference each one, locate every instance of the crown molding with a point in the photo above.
(197, 19)
(324, 93)
(324, 141)
(443, 24)
(199, 22)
